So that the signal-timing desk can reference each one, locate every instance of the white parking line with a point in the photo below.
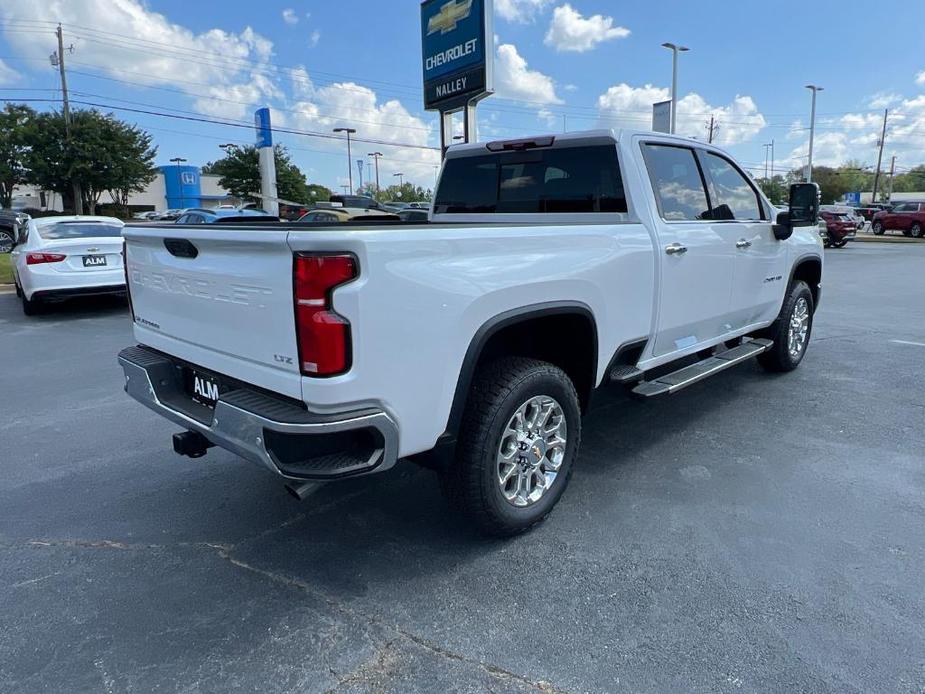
(906, 342)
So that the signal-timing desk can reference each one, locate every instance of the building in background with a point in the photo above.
(174, 187)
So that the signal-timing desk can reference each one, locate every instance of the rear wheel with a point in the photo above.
(877, 228)
(791, 331)
(6, 241)
(916, 231)
(519, 440)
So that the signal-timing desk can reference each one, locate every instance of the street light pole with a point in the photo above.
(349, 132)
(675, 49)
(812, 128)
(178, 161)
(401, 179)
(375, 156)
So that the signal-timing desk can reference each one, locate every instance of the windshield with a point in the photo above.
(79, 230)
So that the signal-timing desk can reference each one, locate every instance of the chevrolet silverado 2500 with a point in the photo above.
(549, 267)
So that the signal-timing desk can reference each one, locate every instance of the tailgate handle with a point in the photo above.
(181, 248)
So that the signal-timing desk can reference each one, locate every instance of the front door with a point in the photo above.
(759, 277)
(696, 256)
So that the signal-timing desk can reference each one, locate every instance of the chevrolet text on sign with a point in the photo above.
(456, 58)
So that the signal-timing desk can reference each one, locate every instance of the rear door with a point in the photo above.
(218, 298)
(697, 257)
(744, 222)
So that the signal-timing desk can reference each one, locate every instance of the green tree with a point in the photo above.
(14, 125)
(776, 188)
(407, 192)
(318, 192)
(102, 154)
(239, 173)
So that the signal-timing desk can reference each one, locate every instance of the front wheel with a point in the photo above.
(519, 439)
(6, 242)
(791, 331)
(839, 244)
(916, 231)
(877, 228)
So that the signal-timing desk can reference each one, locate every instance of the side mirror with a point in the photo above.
(803, 210)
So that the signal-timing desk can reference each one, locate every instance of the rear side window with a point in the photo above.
(677, 182)
(731, 194)
(565, 180)
(78, 230)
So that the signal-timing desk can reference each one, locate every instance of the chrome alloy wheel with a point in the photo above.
(799, 328)
(531, 451)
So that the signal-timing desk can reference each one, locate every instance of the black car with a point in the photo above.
(9, 220)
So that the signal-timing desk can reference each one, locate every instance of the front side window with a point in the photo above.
(678, 185)
(581, 179)
(731, 195)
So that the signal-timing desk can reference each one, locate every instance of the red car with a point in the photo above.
(839, 228)
(907, 217)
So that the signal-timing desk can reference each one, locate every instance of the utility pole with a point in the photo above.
(375, 156)
(767, 150)
(873, 197)
(564, 126)
(712, 129)
(812, 129)
(349, 132)
(58, 59)
(890, 184)
(772, 158)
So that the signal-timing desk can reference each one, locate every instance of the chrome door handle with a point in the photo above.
(675, 249)
(742, 243)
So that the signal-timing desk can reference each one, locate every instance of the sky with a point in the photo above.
(559, 65)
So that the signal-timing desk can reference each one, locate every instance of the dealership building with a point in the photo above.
(174, 187)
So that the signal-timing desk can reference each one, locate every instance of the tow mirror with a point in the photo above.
(803, 210)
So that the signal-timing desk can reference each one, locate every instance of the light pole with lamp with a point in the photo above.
(178, 161)
(812, 129)
(349, 131)
(675, 49)
(375, 156)
(401, 179)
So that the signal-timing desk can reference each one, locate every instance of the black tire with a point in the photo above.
(877, 228)
(18, 290)
(778, 358)
(840, 244)
(471, 481)
(915, 231)
(6, 241)
(31, 308)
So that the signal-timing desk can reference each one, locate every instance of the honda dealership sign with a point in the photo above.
(457, 41)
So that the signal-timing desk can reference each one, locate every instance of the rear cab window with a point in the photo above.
(566, 179)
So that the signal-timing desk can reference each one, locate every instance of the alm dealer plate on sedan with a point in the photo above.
(94, 260)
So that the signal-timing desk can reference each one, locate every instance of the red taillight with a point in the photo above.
(323, 335)
(40, 258)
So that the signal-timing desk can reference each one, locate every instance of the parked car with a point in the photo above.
(145, 216)
(410, 215)
(907, 217)
(840, 228)
(223, 214)
(167, 215)
(554, 266)
(10, 220)
(346, 214)
(57, 258)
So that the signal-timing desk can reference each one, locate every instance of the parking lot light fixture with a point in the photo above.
(675, 49)
(349, 132)
(178, 161)
(401, 179)
(812, 129)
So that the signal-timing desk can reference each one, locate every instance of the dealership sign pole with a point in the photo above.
(266, 161)
(456, 37)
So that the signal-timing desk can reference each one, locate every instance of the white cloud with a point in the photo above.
(290, 16)
(350, 104)
(314, 38)
(626, 106)
(547, 117)
(7, 74)
(570, 31)
(521, 11)
(236, 64)
(514, 80)
(920, 78)
(884, 99)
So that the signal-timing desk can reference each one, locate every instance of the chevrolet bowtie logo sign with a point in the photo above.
(449, 15)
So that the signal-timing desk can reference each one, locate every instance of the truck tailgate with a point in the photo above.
(218, 298)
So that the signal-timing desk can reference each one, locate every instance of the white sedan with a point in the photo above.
(59, 257)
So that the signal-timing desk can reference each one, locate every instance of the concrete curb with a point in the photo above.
(870, 238)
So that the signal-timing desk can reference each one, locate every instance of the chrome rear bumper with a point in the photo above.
(278, 434)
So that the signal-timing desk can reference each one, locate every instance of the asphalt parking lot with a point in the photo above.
(753, 533)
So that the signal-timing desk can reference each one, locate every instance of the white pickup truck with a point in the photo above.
(550, 267)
